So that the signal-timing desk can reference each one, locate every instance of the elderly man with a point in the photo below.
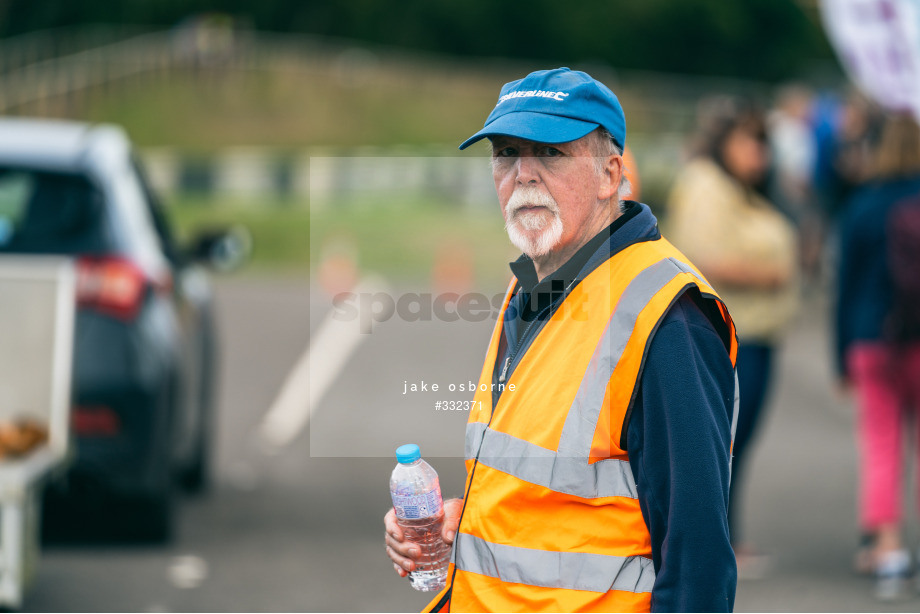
(600, 481)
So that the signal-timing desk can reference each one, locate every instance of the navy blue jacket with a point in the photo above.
(679, 425)
(864, 289)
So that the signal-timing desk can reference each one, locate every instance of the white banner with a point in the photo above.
(878, 43)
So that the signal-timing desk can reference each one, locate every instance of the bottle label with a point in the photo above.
(412, 507)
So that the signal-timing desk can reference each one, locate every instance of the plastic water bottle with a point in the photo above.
(416, 495)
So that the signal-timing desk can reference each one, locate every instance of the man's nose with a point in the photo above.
(527, 171)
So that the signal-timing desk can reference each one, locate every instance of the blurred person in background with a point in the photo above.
(878, 339)
(855, 126)
(792, 142)
(631, 170)
(794, 147)
(719, 217)
(844, 132)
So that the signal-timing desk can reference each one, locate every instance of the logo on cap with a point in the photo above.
(560, 96)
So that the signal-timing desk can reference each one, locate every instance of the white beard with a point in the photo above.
(521, 226)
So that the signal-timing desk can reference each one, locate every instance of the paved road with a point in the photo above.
(287, 531)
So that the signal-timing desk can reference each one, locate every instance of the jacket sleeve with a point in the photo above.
(678, 440)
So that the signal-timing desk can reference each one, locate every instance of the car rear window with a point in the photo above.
(46, 212)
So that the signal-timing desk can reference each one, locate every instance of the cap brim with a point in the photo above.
(539, 127)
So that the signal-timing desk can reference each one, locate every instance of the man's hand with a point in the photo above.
(404, 553)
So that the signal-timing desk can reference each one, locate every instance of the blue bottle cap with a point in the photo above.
(408, 453)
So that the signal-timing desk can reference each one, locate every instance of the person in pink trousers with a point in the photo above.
(878, 339)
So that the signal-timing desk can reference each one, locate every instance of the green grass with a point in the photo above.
(280, 230)
(292, 110)
(414, 240)
(406, 240)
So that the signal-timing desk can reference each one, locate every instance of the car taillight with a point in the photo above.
(111, 285)
(95, 421)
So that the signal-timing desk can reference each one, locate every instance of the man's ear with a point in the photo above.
(610, 178)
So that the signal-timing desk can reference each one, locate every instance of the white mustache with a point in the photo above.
(529, 197)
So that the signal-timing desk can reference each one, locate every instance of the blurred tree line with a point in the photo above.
(760, 39)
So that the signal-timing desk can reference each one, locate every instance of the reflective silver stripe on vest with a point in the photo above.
(567, 570)
(474, 433)
(537, 465)
(581, 421)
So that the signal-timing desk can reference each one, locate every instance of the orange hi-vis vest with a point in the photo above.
(551, 519)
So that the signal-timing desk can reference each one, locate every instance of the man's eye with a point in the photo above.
(506, 152)
(550, 152)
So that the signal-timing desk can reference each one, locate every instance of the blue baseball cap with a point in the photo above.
(554, 106)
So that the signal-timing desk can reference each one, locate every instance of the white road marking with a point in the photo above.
(329, 351)
(187, 571)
